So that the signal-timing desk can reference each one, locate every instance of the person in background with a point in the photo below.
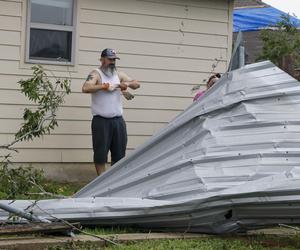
(211, 81)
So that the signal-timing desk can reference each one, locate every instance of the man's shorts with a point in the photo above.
(109, 134)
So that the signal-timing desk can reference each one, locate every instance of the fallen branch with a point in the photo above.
(44, 192)
(35, 228)
(48, 194)
(75, 228)
(40, 125)
(290, 227)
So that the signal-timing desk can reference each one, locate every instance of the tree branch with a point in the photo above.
(73, 227)
(9, 145)
(44, 192)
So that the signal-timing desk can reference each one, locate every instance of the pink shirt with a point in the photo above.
(198, 95)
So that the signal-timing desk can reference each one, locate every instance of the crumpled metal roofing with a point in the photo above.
(230, 162)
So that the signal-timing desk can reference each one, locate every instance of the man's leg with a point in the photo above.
(119, 140)
(100, 168)
(101, 136)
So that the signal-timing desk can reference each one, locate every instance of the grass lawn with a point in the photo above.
(261, 242)
(65, 189)
(215, 243)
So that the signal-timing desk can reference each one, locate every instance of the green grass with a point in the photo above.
(111, 230)
(65, 189)
(211, 243)
(235, 242)
(203, 244)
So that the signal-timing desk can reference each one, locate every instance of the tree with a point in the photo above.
(46, 95)
(282, 46)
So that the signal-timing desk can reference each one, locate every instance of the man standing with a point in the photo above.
(106, 85)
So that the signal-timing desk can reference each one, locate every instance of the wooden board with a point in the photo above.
(32, 228)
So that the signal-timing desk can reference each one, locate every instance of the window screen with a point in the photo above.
(51, 30)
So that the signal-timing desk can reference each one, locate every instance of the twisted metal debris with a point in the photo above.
(230, 162)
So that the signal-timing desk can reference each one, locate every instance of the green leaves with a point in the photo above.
(27, 182)
(281, 43)
(16, 181)
(47, 97)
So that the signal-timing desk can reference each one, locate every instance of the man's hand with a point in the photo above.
(109, 87)
(105, 86)
(124, 78)
(134, 84)
(123, 86)
(128, 96)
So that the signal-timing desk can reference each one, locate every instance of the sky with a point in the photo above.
(288, 6)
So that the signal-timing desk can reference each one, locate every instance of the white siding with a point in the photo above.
(168, 45)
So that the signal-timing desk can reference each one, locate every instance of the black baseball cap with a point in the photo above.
(109, 53)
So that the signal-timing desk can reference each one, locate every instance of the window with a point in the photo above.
(50, 31)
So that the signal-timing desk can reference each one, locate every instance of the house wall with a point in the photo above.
(169, 46)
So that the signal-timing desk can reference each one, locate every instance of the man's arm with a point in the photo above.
(125, 79)
(91, 84)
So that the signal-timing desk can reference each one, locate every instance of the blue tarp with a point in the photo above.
(250, 19)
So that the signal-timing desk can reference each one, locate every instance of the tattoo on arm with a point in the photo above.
(90, 77)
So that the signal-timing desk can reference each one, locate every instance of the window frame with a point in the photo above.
(55, 27)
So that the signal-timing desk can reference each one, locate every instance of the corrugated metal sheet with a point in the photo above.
(229, 162)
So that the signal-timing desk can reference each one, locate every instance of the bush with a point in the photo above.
(47, 95)
(18, 182)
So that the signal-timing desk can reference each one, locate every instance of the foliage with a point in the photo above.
(26, 183)
(17, 181)
(282, 42)
(48, 97)
(39, 120)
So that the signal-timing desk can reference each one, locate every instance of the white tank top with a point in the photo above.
(107, 104)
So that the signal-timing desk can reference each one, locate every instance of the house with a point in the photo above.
(252, 16)
(168, 45)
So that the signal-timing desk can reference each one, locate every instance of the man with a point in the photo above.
(106, 85)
